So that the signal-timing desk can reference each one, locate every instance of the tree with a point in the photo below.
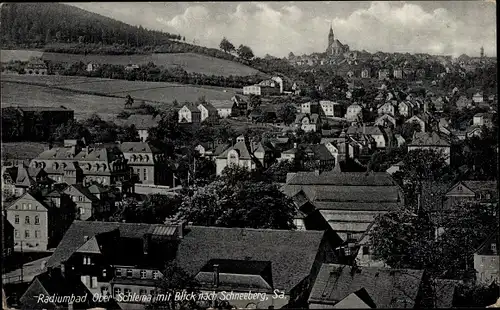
(226, 46)
(71, 130)
(286, 113)
(175, 279)
(254, 101)
(239, 199)
(380, 161)
(129, 101)
(245, 52)
(154, 210)
(128, 133)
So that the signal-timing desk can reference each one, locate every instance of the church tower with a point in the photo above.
(331, 37)
(482, 52)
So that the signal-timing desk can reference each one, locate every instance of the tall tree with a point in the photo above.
(226, 46)
(245, 52)
(286, 113)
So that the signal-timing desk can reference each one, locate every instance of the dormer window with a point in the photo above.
(86, 260)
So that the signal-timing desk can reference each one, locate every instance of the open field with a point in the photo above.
(188, 61)
(21, 150)
(94, 95)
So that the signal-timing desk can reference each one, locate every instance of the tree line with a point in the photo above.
(40, 24)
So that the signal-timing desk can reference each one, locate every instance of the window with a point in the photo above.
(37, 220)
(27, 220)
(80, 198)
(494, 248)
(145, 175)
(85, 280)
(37, 234)
(127, 291)
(366, 250)
(86, 260)
(16, 219)
(16, 233)
(143, 274)
(129, 273)
(29, 206)
(460, 188)
(81, 210)
(156, 274)
(24, 206)
(118, 272)
(26, 234)
(117, 291)
(104, 290)
(104, 273)
(93, 283)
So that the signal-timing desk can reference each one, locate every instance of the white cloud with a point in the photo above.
(384, 26)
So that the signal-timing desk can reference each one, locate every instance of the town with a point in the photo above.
(338, 179)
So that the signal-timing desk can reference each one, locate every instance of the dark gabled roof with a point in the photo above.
(140, 121)
(210, 106)
(428, 139)
(221, 104)
(368, 130)
(241, 148)
(137, 147)
(343, 178)
(485, 247)
(388, 288)
(445, 293)
(74, 237)
(84, 191)
(479, 186)
(53, 282)
(191, 107)
(356, 205)
(291, 253)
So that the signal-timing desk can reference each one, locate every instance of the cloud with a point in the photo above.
(299, 27)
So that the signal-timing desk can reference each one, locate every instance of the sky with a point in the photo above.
(278, 28)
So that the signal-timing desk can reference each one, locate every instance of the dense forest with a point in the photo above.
(43, 24)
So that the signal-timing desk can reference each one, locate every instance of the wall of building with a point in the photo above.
(487, 268)
(33, 242)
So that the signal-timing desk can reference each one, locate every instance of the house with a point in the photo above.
(189, 113)
(224, 108)
(248, 259)
(208, 111)
(483, 119)
(383, 74)
(56, 282)
(422, 120)
(18, 180)
(385, 120)
(75, 163)
(308, 123)
(310, 107)
(347, 201)
(386, 108)
(87, 204)
(405, 108)
(398, 73)
(7, 237)
(147, 162)
(264, 88)
(39, 221)
(487, 261)
(36, 66)
(365, 73)
(114, 258)
(394, 168)
(239, 155)
(131, 67)
(143, 123)
(240, 106)
(354, 113)
(91, 67)
(362, 250)
(430, 140)
(330, 108)
(372, 131)
(478, 98)
(438, 104)
(264, 152)
(463, 103)
(366, 287)
(471, 191)
(211, 150)
(313, 156)
(400, 140)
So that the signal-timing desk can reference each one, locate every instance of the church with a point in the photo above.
(335, 48)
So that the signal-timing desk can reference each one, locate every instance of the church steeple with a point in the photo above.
(331, 37)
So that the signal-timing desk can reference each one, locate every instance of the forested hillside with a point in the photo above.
(42, 24)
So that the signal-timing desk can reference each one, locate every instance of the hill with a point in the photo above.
(39, 24)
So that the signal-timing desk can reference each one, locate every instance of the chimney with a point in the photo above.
(145, 243)
(180, 228)
(87, 150)
(364, 128)
(85, 238)
(216, 275)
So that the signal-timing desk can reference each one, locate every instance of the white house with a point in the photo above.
(386, 108)
(189, 113)
(237, 155)
(478, 98)
(354, 112)
(224, 108)
(308, 122)
(372, 131)
(405, 108)
(208, 112)
(328, 107)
